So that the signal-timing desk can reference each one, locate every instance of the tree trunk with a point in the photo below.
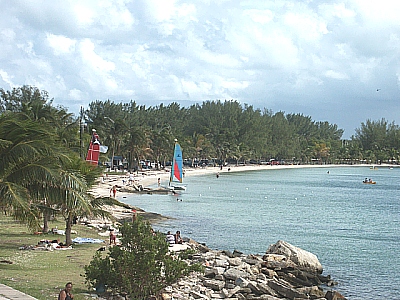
(68, 228)
(46, 216)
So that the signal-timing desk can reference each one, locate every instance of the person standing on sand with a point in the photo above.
(65, 294)
(134, 215)
(113, 190)
(113, 237)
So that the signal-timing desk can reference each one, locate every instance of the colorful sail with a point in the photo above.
(177, 162)
(94, 149)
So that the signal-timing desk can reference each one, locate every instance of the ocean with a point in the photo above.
(352, 227)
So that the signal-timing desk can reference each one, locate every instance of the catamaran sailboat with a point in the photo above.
(176, 170)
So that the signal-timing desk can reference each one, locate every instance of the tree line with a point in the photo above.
(226, 131)
(220, 131)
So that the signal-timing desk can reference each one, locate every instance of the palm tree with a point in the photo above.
(36, 176)
(74, 198)
(27, 166)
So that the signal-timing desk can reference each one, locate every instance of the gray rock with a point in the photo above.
(198, 295)
(234, 273)
(302, 258)
(241, 282)
(286, 291)
(334, 295)
(215, 285)
(235, 261)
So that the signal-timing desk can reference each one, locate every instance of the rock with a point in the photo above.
(241, 282)
(314, 292)
(252, 277)
(215, 285)
(303, 259)
(286, 291)
(198, 295)
(334, 295)
(264, 287)
(235, 261)
(234, 273)
(269, 273)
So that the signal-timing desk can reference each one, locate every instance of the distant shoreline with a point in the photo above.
(150, 178)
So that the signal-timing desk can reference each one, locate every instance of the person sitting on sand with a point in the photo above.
(65, 294)
(170, 238)
(178, 239)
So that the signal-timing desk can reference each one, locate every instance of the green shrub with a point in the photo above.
(141, 266)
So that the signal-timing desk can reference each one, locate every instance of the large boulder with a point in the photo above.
(303, 259)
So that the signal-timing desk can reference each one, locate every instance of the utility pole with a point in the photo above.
(81, 125)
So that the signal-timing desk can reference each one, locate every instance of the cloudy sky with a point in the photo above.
(336, 61)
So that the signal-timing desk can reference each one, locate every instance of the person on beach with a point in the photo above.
(113, 190)
(170, 238)
(113, 237)
(131, 178)
(134, 215)
(65, 294)
(159, 181)
(178, 239)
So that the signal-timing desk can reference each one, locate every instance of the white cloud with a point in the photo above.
(259, 16)
(272, 54)
(76, 94)
(6, 78)
(336, 75)
(92, 59)
(60, 44)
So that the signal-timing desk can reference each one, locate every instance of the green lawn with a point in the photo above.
(42, 274)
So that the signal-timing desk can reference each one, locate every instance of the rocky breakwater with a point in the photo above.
(284, 272)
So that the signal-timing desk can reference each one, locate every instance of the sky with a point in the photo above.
(335, 61)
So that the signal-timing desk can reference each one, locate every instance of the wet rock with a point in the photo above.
(334, 295)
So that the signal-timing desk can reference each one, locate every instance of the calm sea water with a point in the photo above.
(352, 227)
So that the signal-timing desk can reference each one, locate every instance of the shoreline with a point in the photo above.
(149, 178)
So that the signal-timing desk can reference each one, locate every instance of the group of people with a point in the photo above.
(367, 180)
(174, 238)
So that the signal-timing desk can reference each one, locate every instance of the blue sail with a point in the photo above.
(177, 163)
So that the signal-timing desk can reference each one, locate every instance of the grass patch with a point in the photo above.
(42, 274)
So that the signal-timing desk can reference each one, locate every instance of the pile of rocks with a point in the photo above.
(284, 272)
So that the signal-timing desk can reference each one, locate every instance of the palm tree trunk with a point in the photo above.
(68, 229)
(46, 217)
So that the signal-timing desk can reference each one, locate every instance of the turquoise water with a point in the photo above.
(352, 227)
